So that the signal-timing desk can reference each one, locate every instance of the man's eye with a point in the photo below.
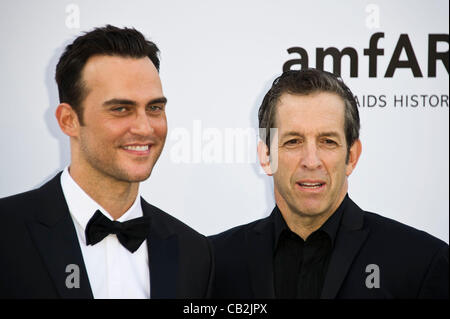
(293, 142)
(329, 142)
(155, 108)
(121, 109)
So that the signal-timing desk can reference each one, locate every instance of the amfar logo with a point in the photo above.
(403, 44)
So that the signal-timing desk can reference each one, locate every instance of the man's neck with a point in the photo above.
(305, 224)
(113, 195)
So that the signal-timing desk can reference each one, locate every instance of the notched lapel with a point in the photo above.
(163, 253)
(59, 248)
(260, 259)
(54, 234)
(351, 237)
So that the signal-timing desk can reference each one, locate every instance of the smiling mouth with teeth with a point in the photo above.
(137, 148)
(311, 185)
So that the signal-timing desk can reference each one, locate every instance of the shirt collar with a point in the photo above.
(82, 207)
(279, 226)
(330, 226)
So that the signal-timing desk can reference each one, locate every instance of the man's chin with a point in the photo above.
(309, 210)
(132, 176)
(137, 178)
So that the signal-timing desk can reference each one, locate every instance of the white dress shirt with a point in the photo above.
(114, 272)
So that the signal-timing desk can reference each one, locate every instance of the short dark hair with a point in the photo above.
(304, 82)
(107, 40)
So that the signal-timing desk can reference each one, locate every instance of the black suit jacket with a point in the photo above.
(38, 240)
(411, 263)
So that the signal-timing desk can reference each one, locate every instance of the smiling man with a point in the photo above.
(88, 233)
(318, 243)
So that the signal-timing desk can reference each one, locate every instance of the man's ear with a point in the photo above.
(67, 119)
(264, 158)
(353, 156)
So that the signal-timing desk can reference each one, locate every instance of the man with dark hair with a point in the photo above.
(87, 233)
(318, 243)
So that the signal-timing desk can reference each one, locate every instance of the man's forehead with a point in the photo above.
(115, 58)
(117, 63)
(315, 97)
(115, 75)
(318, 112)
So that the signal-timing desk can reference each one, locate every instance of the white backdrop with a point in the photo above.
(218, 58)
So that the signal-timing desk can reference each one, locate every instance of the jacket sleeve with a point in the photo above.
(435, 285)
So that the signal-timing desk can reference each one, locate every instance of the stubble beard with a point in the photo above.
(107, 166)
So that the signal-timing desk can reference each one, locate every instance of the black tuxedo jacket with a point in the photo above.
(411, 263)
(38, 240)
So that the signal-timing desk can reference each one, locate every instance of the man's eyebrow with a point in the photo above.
(330, 134)
(323, 134)
(159, 100)
(291, 133)
(118, 101)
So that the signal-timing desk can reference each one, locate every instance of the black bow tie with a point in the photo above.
(131, 233)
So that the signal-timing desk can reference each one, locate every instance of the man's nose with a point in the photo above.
(142, 124)
(310, 157)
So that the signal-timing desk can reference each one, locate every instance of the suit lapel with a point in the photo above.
(54, 234)
(260, 258)
(162, 244)
(349, 240)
